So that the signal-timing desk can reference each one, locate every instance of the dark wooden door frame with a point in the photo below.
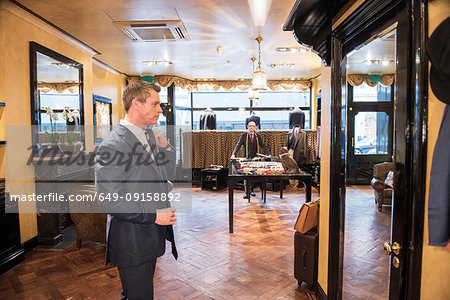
(410, 136)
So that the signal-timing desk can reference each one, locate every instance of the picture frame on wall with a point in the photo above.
(102, 117)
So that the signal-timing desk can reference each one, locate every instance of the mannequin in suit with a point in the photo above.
(208, 120)
(253, 118)
(137, 229)
(297, 144)
(296, 117)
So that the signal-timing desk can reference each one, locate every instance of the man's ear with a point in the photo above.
(135, 104)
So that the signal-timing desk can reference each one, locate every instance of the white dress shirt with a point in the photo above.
(139, 133)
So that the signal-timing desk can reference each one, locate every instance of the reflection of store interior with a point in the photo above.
(346, 122)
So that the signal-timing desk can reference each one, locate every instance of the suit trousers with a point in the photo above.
(137, 281)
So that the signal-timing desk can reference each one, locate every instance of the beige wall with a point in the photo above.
(17, 30)
(325, 136)
(435, 261)
(109, 84)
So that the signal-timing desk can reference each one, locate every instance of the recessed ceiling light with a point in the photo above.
(157, 62)
(384, 62)
(283, 65)
(292, 49)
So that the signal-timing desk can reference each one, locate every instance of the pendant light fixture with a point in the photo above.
(252, 93)
(259, 76)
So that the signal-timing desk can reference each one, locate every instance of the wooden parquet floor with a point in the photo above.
(366, 267)
(256, 262)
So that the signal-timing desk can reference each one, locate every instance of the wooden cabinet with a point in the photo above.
(214, 179)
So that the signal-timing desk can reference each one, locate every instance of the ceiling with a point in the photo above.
(228, 23)
(52, 70)
(376, 56)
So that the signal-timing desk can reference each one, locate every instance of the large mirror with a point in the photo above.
(370, 156)
(56, 101)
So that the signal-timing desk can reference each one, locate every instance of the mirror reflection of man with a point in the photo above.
(253, 144)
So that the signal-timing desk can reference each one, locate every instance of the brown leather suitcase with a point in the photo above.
(306, 256)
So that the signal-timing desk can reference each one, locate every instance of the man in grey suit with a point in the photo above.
(132, 170)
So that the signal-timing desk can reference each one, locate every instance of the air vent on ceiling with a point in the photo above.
(154, 31)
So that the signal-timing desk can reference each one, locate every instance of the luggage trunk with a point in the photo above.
(306, 256)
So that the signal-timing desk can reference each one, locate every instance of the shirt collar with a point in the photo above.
(137, 131)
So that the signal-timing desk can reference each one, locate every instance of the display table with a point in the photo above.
(234, 177)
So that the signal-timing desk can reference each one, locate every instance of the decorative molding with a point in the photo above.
(107, 67)
(30, 244)
(16, 255)
(344, 13)
(31, 17)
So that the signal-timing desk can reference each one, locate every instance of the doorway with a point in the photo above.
(408, 140)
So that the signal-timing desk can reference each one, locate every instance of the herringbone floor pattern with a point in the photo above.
(256, 262)
(366, 267)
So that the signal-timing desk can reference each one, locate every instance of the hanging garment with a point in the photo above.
(253, 118)
(208, 120)
(439, 195)
(301, 148)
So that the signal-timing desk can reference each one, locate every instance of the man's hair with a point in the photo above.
(139, 90)
(254, 124)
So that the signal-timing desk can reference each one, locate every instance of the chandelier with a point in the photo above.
(259, 76)
(252, 93)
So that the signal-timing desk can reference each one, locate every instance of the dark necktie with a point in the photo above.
(251, 138)
(151, 140)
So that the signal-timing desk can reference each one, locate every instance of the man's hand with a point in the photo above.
(233, 157)
(165, 216)
(161, 141)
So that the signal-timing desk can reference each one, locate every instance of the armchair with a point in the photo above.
(383, 192)
(88, 226)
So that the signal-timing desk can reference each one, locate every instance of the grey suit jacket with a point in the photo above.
(125, 175)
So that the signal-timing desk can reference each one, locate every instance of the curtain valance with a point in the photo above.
(358, 79)
(229, 85)
(58, 87)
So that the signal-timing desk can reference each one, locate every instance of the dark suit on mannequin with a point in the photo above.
(208, 120)
(296, 117)
(253, 118)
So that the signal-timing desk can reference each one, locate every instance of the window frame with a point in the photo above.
(251, 108)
